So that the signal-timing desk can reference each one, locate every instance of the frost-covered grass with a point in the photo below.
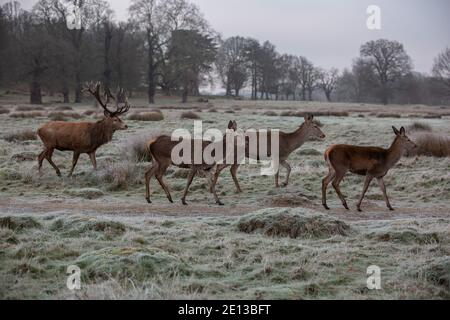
(133, 254)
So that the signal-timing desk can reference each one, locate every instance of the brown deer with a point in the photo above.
(289, 142)
(371, 162)
(160, 151)
(82, 137)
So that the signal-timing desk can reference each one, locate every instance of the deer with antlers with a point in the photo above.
(371, 162)
(160, 151)
(83, 137)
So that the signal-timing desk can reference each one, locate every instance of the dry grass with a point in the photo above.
(190, 115)
(62, 116)
(270, 114)
(119, 175)
(135, 148)
(429, 144)
(24, 135)
(26, 115)
(389, 115)
(63, 108)
(4, 111)
(419, 126)
(284, 223)
(146, 116)
(29, 108)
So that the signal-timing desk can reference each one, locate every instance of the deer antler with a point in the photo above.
(94, 90)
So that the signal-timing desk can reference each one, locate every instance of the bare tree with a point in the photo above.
(328, 80)
(231, 64)
(389, 61)
(158, 20)
(441, 68)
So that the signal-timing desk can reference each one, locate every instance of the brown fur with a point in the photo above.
(289, 142)
(160, 150)
(371, 162)
(81, 137)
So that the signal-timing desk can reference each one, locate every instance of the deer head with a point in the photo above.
(112, 117)
(312, 129)
(404, 140)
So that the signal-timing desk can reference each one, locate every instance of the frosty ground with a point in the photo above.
(265, 243)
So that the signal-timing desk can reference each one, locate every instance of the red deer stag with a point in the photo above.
(82, 137)
(371, 162)
(289, 142)
(160, 151)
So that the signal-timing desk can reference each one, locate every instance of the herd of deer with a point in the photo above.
(87, 137)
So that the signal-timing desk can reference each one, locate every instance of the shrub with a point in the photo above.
(24, 135)
(61, 116)
(146, 116)
(190, 115)
(213, 110)
(19, 223)
(136, 150)
(432, 116)
(4, 111)
(119, 175)
(89, 112)
(271, 114)
(429, 144)
(86, 193)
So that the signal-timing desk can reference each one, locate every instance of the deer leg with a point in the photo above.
(213, 191)
(383, 189)
(336, 182)
(367, 182)
(148, 175)
(217, 170)
(93, 160)
(159, 176)
(190, 178)
(76, 156)
(277, 178)
(41, 158)
(289, 169)
(48, 156)
(325, 183)
(233, 170)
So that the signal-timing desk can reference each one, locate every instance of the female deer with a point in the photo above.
(371, 162)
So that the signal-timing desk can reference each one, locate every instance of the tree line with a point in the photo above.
(167, 46)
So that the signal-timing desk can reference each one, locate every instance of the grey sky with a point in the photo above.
(328, 32)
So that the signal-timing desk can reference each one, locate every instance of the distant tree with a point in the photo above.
(268, 72)
(231, 64)
(389, 62)
(191, 54)
(158, 20)
(328, 80)
(253, 54)
(308, 76)
(441, 68)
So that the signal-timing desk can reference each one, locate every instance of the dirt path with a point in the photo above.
(374, 211)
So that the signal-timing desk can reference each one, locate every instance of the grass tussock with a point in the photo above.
(408, 237)
(4, 111)
(303, 114)
(136, 148)
(29, 108)
(86, 193)
(293, 224)
(146, 116)
(270, 114)
(430, 144)
(190, 115)
(119, 175)
(389, 115)
(419, 126)
(24, 156)
(63, 108)
(18, 223)
(62, 116)
(20, 136)
(26, 115)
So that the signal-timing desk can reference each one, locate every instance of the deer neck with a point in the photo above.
(297, 138)
(395, 153)
(102, 133)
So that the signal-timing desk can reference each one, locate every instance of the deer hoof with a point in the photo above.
(346, 207)
(284, 185)
(148, 200)
(184, 202)
(170, 200)
(359, 209)
(220, 203)
(326, 207)
(391, 209)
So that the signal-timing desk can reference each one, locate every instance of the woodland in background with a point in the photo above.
(168, 47)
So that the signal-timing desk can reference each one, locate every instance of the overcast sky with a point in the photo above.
(328, 32)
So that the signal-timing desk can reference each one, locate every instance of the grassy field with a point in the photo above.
(266, 243)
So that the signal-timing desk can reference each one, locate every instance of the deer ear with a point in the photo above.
(235, 125)
(396, 131)
(106, 114)
(230, 125)
(402, 131)
(308, 118)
